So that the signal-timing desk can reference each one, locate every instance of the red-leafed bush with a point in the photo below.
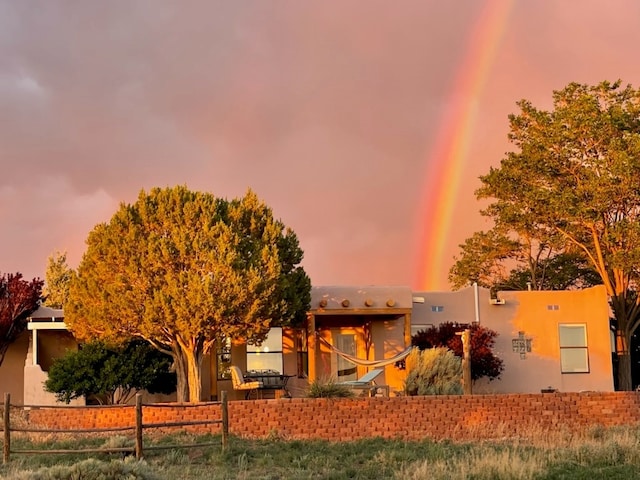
(18, 299)
(483, 362)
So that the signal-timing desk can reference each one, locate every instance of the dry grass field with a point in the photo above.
(591, 454)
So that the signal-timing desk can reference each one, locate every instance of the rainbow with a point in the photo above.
(447, 159)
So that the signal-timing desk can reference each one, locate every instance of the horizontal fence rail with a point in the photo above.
(138, 428)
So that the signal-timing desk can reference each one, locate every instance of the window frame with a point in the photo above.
(417, 327)
(254, 350)
(568, 346)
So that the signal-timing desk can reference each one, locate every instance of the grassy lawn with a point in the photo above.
(593, 454)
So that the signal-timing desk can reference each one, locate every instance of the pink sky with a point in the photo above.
(329, 110)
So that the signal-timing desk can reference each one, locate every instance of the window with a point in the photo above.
(267, 355)
(574, 357)
(437, 308)
(415, 328)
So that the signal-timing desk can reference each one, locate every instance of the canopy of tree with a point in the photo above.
(184, 269)
(483, 361)
(501, 260)
(110, 375)
(56, 280)
(571, 186)
(18, 299)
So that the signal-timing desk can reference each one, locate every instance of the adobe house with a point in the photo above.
(560, 340)
(28, 359)
(556, 339)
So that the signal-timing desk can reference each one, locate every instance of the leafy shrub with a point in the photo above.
(328, 389)
(108, 374)
(92, 469)
(483, 362)
(436, 371)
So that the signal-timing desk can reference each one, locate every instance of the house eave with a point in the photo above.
(47, 326)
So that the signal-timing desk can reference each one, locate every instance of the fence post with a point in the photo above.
(138, 426)
(466, 361)
(225, 420)
(7, 429)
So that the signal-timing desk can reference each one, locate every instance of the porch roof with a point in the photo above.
(47, 314)
(341, 299)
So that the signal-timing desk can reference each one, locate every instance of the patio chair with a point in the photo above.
(367, 382)
(239, 383)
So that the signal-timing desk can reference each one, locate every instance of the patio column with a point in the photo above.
(312, 346)
(34, 347)
(407, 329)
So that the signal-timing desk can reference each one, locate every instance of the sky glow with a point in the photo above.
(363, 124)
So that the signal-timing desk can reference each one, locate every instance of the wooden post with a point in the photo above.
(407, 330)
(466, 361)
(225, 419)
(312, 347)
(139, 452)
(7, 429)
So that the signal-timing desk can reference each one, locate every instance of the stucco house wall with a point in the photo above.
(537, 316)
(12, 369)
(51, 345)
(532, 317)
(434, 308)
(19, 375)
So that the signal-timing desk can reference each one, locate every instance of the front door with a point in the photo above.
(344, 370)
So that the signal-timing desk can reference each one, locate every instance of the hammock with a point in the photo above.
(368, 363)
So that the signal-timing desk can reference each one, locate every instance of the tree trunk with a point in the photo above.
(182, 385)
(194, 377)
(626, 317)
(624, 361)
(624, 372)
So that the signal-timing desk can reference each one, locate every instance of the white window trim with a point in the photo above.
(584, 348)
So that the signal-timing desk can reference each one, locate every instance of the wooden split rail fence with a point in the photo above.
(138, 429)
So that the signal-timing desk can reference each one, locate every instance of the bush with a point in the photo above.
(328, 389)
(435, 371)
(483, 362)
(110, 375)
(92, 469)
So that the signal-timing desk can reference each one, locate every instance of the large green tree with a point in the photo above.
(501, 260)
(110, 375)
(57, 278)
(574, 177)
(182, 269)
(18, 299)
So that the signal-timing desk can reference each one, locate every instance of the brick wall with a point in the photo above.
(438, 417)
